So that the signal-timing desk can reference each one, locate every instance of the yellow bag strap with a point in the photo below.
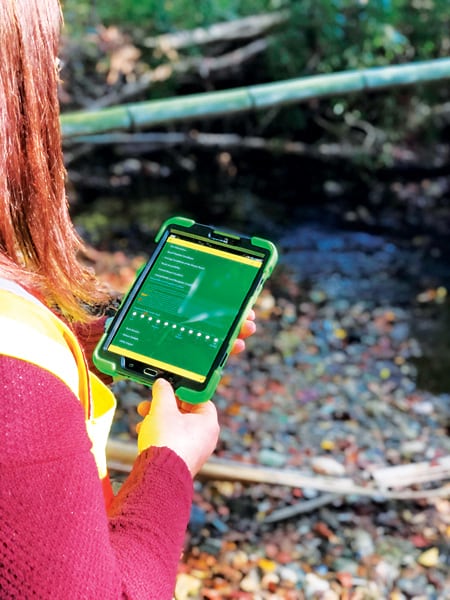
(31, 332)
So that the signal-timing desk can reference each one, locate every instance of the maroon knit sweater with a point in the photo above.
(56, 540)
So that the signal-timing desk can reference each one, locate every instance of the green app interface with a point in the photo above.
(185, 307)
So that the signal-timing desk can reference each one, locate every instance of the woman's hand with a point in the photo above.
(190, 430)
(247, 329)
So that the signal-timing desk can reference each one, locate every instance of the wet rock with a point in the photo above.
(271, 458)
(429, 558)
(363, 543)
(413, 585)
(187, 586)
(315, 585)
(327, 466)
(251, 582)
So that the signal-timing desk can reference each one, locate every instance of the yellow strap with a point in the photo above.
(99, 425)
(31, 332)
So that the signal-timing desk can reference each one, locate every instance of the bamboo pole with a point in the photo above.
(153, 113)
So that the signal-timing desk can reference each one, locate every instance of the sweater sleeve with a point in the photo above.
(56, 540)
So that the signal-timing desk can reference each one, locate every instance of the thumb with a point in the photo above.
(163, 397)
(153, 430)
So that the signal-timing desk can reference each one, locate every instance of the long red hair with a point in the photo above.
(39, 246)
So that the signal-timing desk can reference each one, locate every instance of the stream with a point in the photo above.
(346, 260)
(348, 375)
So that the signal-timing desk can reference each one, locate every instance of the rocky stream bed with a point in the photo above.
(328, 389)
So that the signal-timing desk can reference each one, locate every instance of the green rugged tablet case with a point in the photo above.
(107, 363)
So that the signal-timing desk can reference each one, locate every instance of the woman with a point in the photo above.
(61, 536)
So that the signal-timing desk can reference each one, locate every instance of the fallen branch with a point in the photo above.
(248, 27)
(411, 168)
(203, 67)
(136, 143)
(121, 456)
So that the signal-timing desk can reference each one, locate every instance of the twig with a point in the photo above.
(300, 508)
(203, 66)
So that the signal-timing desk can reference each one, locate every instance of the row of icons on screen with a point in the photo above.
(174, 326)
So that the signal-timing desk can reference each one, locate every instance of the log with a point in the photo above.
(121, 456)
(410, 168)
(412, 474)
(146, 142)
(150, 142)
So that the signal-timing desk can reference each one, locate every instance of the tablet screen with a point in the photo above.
(186, 305)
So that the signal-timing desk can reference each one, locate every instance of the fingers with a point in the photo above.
(238, 346)
(143, 408)
(201, 408)
(249, 326)
(248, 329)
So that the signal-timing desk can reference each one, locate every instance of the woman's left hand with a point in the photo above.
(248, 328)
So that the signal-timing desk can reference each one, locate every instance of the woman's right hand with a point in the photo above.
(190, 430)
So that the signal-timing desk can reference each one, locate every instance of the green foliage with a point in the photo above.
(161, 16)
(325, 36)
(78, 17)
